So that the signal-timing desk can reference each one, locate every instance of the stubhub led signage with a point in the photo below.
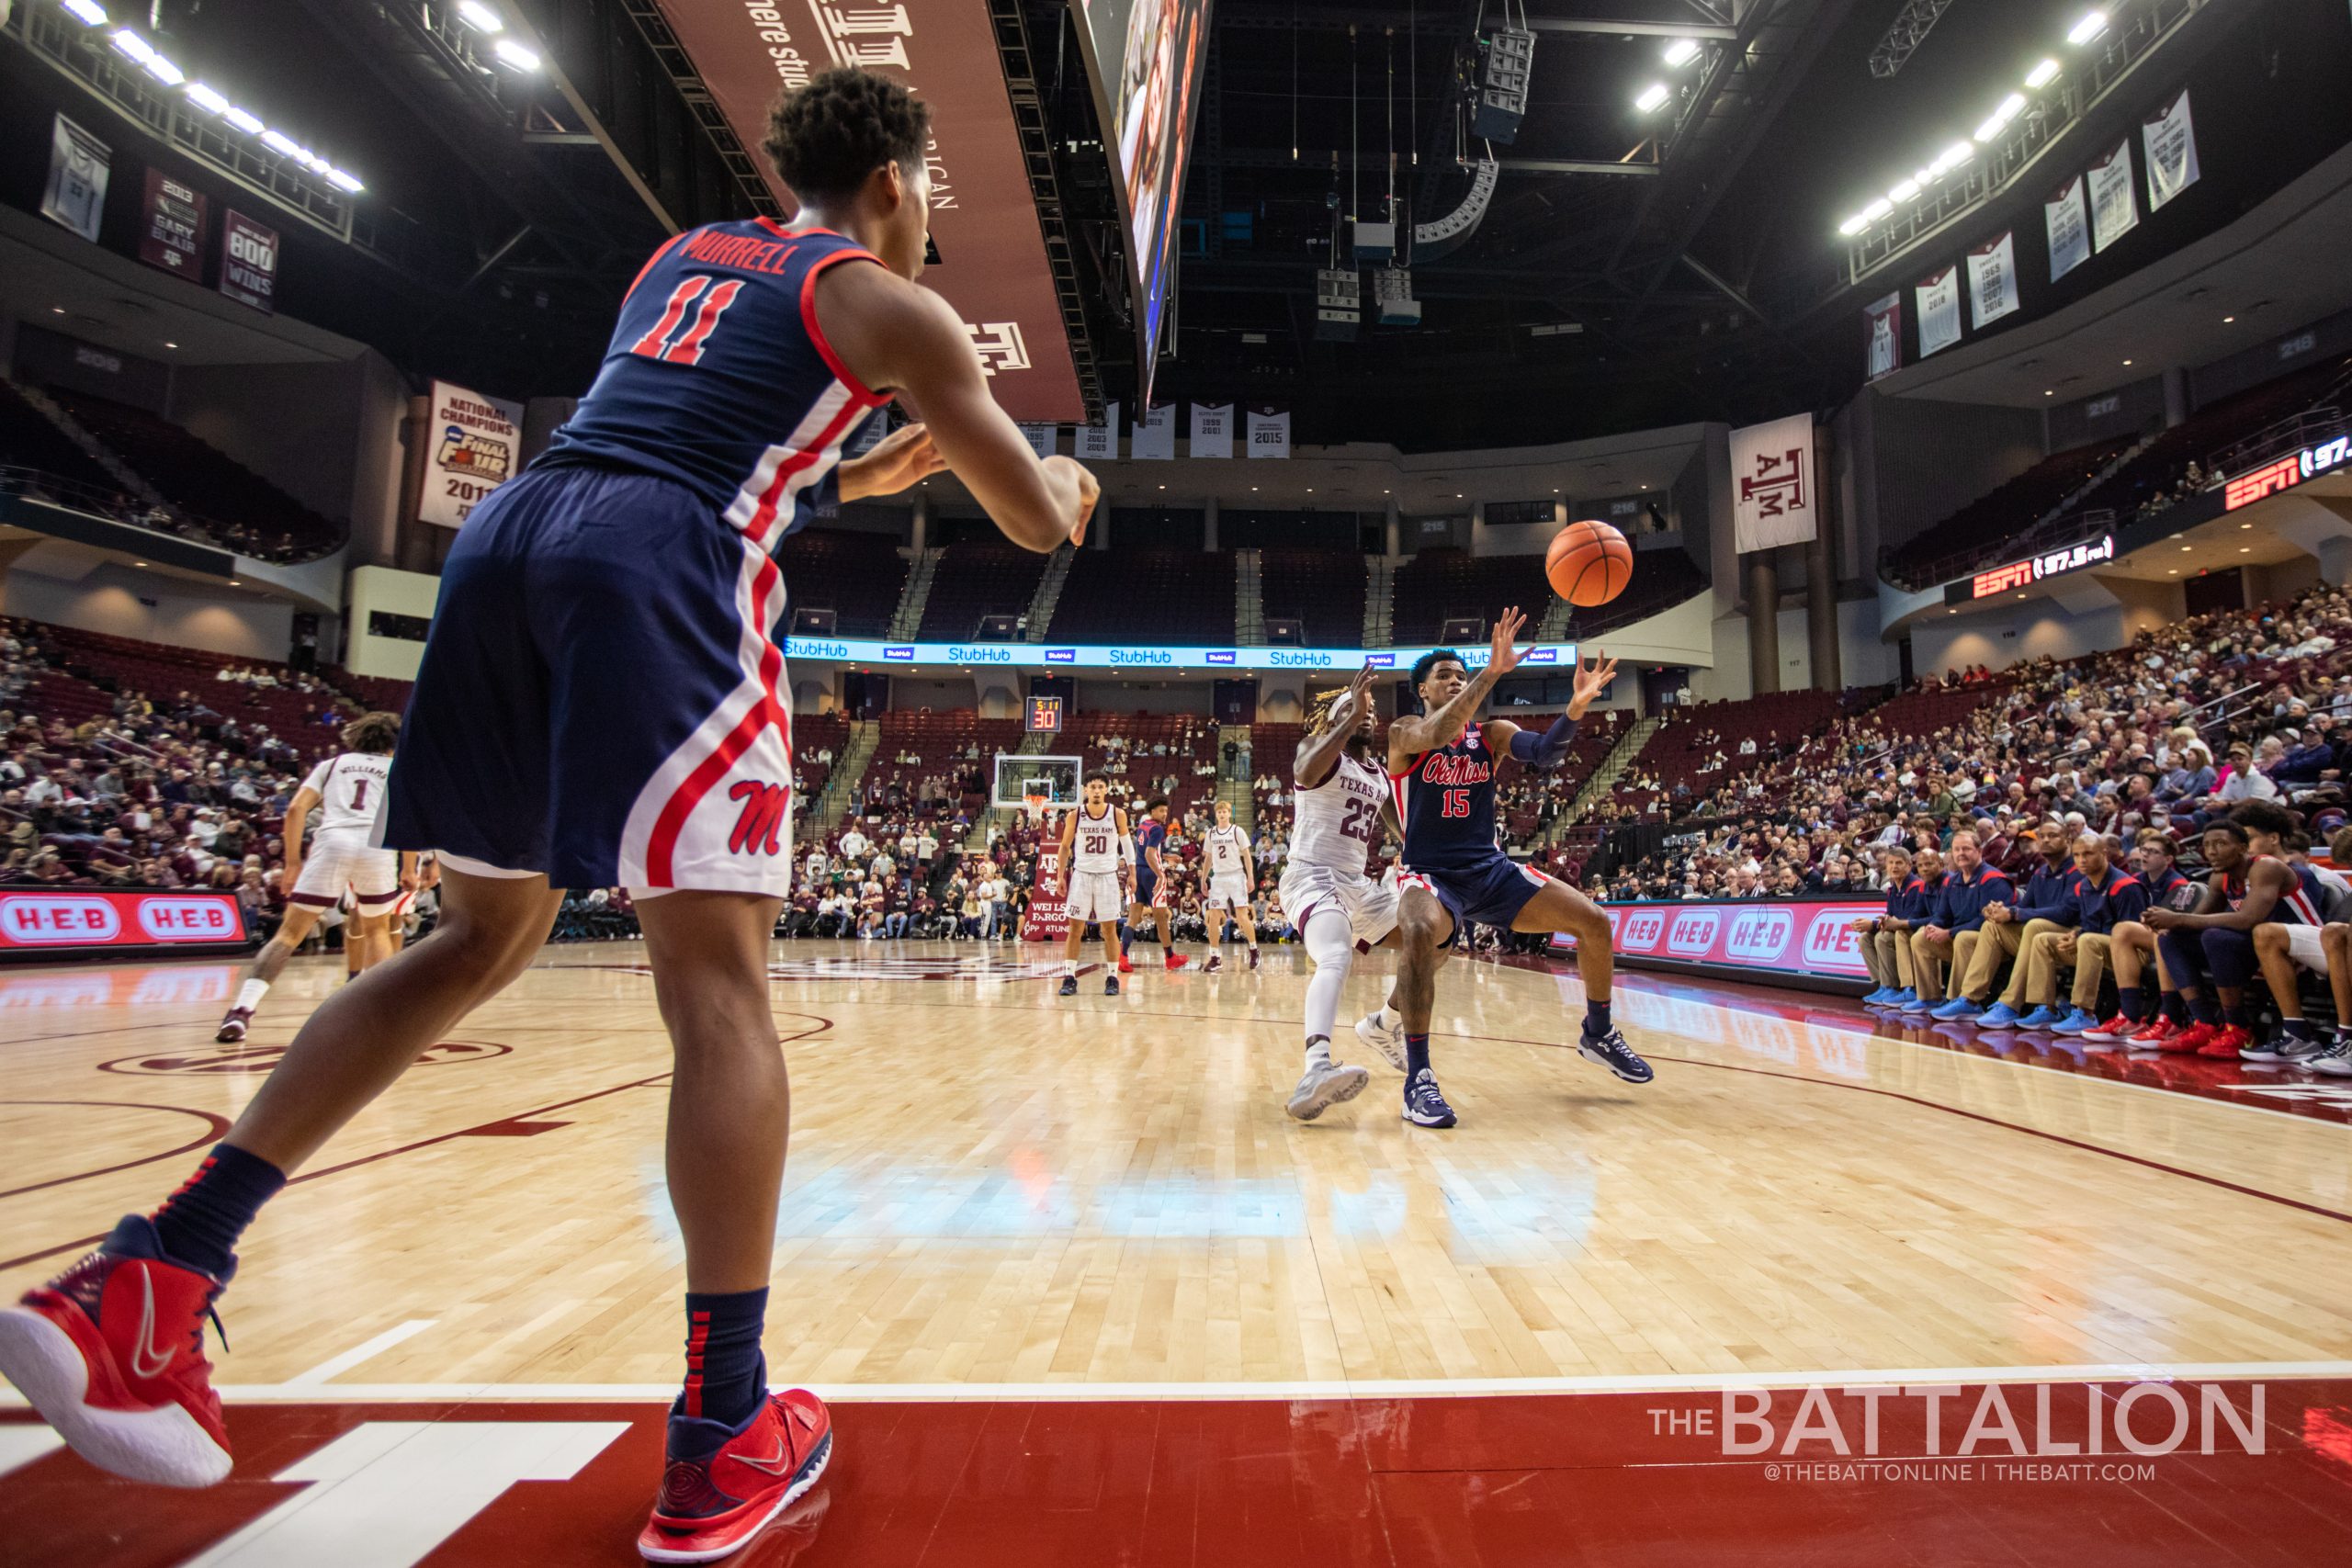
(1100, 656)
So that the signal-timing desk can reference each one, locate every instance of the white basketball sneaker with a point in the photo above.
(1389, 1042)
(1325, 1084)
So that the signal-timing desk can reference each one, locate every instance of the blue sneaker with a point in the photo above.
(2042, 1017)
(1920, 1004)
(1878, 997)
(2075, 1022)
(1424, 1107)
(1902, 997)
(2000, 1015)
(1611, 1051)
(1955, 1009)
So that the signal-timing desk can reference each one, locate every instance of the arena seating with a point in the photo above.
(956, 747)
(304, 712)
(974, 580)
(29, 439)
(1681, 751)
(240, 509)
(858, 576)
(1146, 595)
(1662, 579)
(375, 691)
(1982, 528)
(1191, 742)
(1322, 590)
(2153, 479)
(1443, 584)
(814, 734)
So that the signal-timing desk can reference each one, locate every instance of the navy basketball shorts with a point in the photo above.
(1491, 893)
(1147, 885)
(601, 699)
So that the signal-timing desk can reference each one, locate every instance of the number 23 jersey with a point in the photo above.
(1337, 822)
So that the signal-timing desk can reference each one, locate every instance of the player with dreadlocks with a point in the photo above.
(1337, 910)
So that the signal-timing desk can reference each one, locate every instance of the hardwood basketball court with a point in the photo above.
(1000, 1199)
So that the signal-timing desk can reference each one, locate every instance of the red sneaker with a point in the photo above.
(2120, 1027)
(1177, 961)
(2195, 1038)
(111, 1353)
(1215, 966)
(2152, 1036)
(2227, 1043)
(232, 1028)
(1253, 958)
(1125, 968)
(712, 1503)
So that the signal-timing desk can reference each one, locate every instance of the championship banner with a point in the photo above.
(2115, 211)
(2070, 232)
(990, 262)
(51, 922)
(1772, 466)
(1212, 430)
(1992, 281)
(1047, 918)
(1042, 438)
(1938, 303)
(76, 192)
(476, 444)
(248, 262)
(2170, 144)
(1101, 441)
(1797, 937)
(1155, 439)
(1883, 334)
(1269, 431)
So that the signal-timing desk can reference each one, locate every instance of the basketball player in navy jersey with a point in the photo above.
(602, 702)
(1151, 888)
(1442, 770)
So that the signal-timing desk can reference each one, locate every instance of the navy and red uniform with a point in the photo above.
(1150, 887)
(602, 698)
(1445, 797)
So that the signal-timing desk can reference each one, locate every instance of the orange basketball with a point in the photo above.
(1589, 563)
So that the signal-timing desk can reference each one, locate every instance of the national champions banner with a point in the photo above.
(473, 445)
(2115, 212)
(1100, 443)
(1808, 937)
(2068, 224)
(1773, 496)
(1212, 430)
(1269, 431)
(992, 264)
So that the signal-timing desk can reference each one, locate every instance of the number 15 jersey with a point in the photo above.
(1337, 821)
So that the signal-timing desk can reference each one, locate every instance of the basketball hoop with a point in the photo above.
(1035, 804)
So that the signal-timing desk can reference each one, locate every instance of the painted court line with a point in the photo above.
(298, 1392)
(334, 1366)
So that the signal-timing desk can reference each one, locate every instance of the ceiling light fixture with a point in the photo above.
(205, 98)
(515, 55)
(86, 12)
(1653, 96)
(480, 17)
(1682, 52)
(244, 120)
(2042, 74)
(2008, 110)
(2093, 24)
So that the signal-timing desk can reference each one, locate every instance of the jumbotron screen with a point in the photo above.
(1146, 58)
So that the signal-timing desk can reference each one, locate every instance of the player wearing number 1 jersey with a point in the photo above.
(348, 791)
(603, 700)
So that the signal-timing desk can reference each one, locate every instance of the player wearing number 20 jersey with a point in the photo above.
(602, 698)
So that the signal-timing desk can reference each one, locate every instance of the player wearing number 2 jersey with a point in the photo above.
(603, 700)
(347, 792)
(1441, 766)
(1226, 849)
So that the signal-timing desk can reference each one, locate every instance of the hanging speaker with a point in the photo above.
(1502, 103)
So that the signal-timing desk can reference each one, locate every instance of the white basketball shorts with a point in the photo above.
(1370, 906)
(1228, 892)
(1095, 898)
(338, 860)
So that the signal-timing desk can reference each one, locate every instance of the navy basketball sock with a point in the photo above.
(2202, 1007)
(198, 1224)
(1126, 938)
(2299, 1028)
(1417, 1055)
(725, 1374)
(2172, 1007)
(2238, 1017)
(1596, 1018)
(2134, 1003)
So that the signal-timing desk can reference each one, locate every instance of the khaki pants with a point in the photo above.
(2020, 940)
(1928, 956)
(1893, 949)
(2090, 968)
(1875, 960)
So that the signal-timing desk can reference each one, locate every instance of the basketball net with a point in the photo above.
(1036, 805)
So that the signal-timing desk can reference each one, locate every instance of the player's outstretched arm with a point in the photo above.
(898, 336)
(1412, 734)
(1550, 748)
(1318, 754)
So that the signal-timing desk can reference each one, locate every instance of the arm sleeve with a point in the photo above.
(1547, 750)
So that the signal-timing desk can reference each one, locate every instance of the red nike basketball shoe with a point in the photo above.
(111, 1354)
(719, 1490)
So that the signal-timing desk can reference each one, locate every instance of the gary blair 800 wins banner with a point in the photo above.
(992, 264)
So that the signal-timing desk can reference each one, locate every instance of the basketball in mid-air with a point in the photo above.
(1589, 563)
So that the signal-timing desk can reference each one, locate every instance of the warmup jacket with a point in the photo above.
(1960, 903)
(2119, 897)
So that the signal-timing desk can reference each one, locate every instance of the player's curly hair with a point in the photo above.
(1430, 660)
(374, 732)
(1320, 717)
(826, 138)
